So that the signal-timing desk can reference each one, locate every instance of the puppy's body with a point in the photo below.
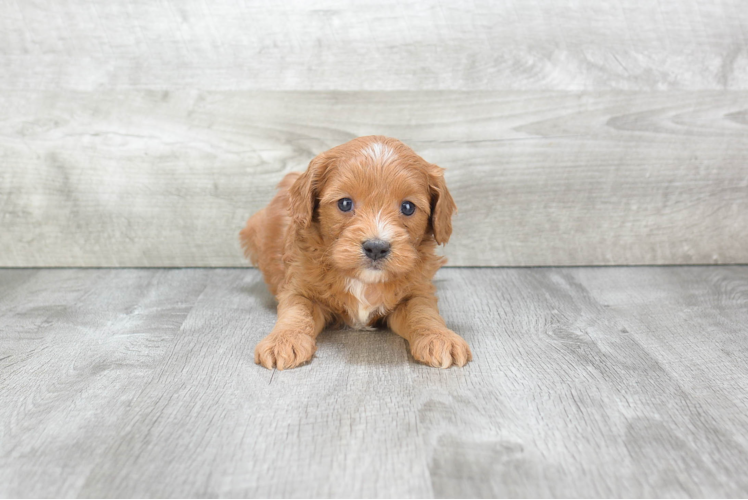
(312, 253)
(270, 241)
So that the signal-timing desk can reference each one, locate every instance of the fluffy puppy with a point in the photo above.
(352, 240)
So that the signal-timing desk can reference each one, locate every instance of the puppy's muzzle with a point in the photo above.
(376, 249)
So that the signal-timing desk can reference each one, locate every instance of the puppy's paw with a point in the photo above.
(284, 350)
(441, 349)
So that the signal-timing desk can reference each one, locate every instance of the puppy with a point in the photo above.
(352, 240)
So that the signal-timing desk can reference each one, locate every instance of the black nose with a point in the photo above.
(376, 249)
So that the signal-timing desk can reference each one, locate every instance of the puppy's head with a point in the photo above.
(373, 201)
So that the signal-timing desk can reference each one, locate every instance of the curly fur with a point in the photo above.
(310, 253)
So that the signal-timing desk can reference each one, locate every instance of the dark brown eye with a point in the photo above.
(345, 204)
(407, 208)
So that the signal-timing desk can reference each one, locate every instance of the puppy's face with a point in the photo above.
(373, 201)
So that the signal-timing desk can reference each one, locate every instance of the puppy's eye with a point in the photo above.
(407, 208)
(345, 204)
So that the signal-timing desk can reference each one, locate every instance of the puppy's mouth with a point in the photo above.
(373, 272)
(377, 265)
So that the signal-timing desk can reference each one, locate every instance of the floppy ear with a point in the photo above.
(442, 205)
(304, 191)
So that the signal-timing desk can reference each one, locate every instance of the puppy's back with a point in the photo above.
(263, 238)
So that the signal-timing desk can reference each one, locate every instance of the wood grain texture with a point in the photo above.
(586, 382)
(374, 45)
(146, 178)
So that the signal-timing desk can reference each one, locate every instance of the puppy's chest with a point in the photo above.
(366, 302)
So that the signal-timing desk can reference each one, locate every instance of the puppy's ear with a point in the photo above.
(304, 191)
(442, 205)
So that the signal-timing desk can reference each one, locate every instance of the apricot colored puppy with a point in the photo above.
(352, 239)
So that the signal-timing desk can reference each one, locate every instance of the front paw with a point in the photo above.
(441, 349)
(284, 350)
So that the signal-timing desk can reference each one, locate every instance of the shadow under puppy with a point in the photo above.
(352, 239)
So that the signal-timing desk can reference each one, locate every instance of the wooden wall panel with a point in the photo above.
(141, 133)
(158, 178)
(374, 45)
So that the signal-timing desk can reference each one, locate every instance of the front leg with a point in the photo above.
(291, 343)
(417, 320)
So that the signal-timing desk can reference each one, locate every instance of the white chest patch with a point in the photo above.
(363, 313)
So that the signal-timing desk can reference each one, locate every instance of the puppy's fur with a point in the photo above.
(310, 252)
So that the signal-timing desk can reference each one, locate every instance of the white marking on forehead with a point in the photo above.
(379, 151)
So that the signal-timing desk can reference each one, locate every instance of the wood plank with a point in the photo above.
(374, 45)
(71, 368)
(568, 403)
(713, 302)
(212, 423)
(142, 178)
(589, 382)
(157, 408)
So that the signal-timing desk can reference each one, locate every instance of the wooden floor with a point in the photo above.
(586, 382)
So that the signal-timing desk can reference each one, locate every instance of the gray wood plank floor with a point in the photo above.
(586, 382)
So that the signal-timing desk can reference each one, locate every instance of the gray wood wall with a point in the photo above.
(141, 133)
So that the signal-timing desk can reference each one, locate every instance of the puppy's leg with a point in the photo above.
(418, 321)
(291, 343)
